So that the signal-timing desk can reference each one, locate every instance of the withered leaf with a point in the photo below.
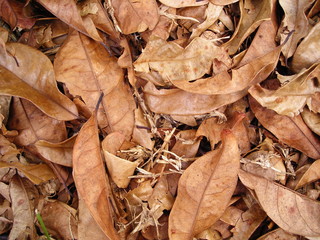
(91, 179)
(290, 210)
(179, 102)
(278, 234)
(311, 175)
(12, 11)
(88, 70)
(23, 197)
(60, 153)
(67, 11)
(28, 73)
(34, 125)
(290, 130)
(294, 19)
(183, 3)
(312, 120)
(253, 13)
(175, 63)
(36, 173)
(59, 219)
(135, 16)
(205, 189)
(306, 53)
(291, 98)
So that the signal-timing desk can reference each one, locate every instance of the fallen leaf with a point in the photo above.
(59, 219)
(33, 125)
(290, 98)
(179, 102)
(68, 12)
(249, 222)
(175, 63)
(311, 175)
(253, 13)
(291, 131)
(187, 144)
(306, 53)
(278, 234)
(205, 189)
(212, 14)
(290, 210)
(59, 153)
(28, 73)
(223, 2)
(135, 16)
(294, 19)
(36, 173)
(13, 13)
(184, 3)
(23, 196)
(87, 226)
(88, 70)
(95, 191)
(312, 120)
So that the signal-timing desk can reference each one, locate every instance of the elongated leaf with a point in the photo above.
(290, 210)
(183, 3)
(23, 197)
(91, 179)
(179, 102)
(311, 175)
(278, 234)
(28, 73)
(136, 16)
(205, 189)
(37, 173)
(294, 19)
(253, 13)
(33, 125)
(68, 12)
(312, 120)
(291, 131)
(291, 98)
(88, 70)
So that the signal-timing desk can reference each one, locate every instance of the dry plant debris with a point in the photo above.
(157, 119)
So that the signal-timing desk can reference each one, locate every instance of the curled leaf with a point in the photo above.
(28, 73)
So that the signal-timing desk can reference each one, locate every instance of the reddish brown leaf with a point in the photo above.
(290, 210)
(91, 179)
(291, 131)
(205, 189)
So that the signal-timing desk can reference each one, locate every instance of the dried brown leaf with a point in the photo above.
(311, 175)
(290, 210)
(88, 70)
(28, 73)
(36, 173)
(12, 11)
(59, 219)
(179, 102)
(91, 179)
(306, 53)
(68, 12)
(60, 153)
(294, 19)
(205, 189)
(253, 13)
(23, 197)
(135, 16)
(291, 98)
(312, 120)
(278, 234)
(183, 3)
(33, 125)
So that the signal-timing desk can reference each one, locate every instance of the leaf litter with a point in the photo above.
(156, 119)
